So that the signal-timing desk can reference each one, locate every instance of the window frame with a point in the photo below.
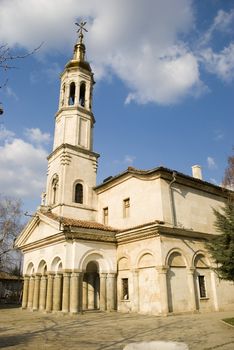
(202, 287)
(105, 215)
(76, 194)
(126, 207)
(125, 289)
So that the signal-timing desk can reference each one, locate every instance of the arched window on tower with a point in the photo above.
(79, 193)
(54, 192)
(82, 95)
(72, 93)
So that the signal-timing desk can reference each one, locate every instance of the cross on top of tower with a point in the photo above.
(81, 27)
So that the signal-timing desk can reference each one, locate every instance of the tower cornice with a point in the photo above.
(66, 146)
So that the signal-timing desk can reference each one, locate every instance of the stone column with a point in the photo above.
(66, 292)
(30, 292)
(57, 292)
(135, 279)
(162, 279)
(85, 295)
(111, 291)
(103, 291)
(25, 292)
(42, 297)
(74, 300)
(36, 292)
(91, 289)
(192, 299)
(49, 294)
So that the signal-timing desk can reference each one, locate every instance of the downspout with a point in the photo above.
(172, 202)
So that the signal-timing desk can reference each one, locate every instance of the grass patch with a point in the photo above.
(229, 321)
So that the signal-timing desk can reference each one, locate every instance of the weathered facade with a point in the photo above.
(135, 243)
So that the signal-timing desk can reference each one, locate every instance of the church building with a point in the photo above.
(134, 243)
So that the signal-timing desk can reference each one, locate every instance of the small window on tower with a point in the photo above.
(72, 92)
(79, 193)
(105, 216)
(54, 189)
(126, 207)
(82, 95)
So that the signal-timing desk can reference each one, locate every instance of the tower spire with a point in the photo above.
(81, 26)
(79, 48)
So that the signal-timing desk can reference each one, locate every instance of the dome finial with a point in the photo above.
(80, 31)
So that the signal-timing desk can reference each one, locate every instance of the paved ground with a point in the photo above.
(103, 331)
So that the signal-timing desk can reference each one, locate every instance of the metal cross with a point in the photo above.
(80, 29)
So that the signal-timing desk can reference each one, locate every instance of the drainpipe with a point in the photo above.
(172, 203)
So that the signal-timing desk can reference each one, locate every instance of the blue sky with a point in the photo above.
(164, 74)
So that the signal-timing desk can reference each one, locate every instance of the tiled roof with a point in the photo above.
(79, 223)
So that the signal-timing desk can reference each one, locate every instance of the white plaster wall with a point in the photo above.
(146, 297)
(145, 203)
(74, 255)
(178, 293)
(41, 231)
(193, 208)
(225, 293)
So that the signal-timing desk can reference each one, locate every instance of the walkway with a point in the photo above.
(103, 331)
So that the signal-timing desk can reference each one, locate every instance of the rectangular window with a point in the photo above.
(105, 216)
(126, 207)
(202, 286)
(125, 295)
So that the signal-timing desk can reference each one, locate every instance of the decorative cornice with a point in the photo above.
(65, 147)
(166, 174)
(152, 230)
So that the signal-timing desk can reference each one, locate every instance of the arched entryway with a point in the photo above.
(91, 287)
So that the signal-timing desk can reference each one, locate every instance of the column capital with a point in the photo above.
(26, 277)
(67, 274)
(162, 269)
(103, 275)
(191, 270)
(112, 275)
(76, 274)
(37, 276)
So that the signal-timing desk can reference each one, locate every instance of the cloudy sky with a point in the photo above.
(164, 72)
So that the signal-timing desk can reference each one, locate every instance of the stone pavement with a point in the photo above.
(103, 331)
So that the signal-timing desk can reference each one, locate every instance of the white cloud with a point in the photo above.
(6, 134)
(23, 168)
(138, 41)
(223, 22)
(37, 136)
(129, 159)
(221, 64)
(10, 93)
(211, 163)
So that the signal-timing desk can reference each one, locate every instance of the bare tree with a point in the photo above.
(10, 227)
(7, 60)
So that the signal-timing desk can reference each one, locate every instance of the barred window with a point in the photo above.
(125, 295)
(202, 286)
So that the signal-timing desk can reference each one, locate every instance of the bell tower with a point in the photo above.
(72, 165)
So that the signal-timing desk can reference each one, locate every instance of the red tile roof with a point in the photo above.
(79, 223)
